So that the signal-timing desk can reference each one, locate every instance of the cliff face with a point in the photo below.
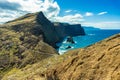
(48, 29)
(55, 32)
(74, 30)
(64, 29)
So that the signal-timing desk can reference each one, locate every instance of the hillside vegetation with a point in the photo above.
(100, 61)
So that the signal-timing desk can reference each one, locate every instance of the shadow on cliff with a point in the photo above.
(56, 32)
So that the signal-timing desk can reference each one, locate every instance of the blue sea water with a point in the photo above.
(91, 37)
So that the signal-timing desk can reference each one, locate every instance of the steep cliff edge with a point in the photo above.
(34, 24)
(55, 32)
(65, 29)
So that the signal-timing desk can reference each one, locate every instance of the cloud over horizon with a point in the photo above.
(103, 25)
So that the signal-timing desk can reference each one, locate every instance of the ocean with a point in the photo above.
(91, 37)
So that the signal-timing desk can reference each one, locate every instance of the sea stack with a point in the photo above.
(70, 40)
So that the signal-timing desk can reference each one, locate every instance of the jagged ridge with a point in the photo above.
(37, 24)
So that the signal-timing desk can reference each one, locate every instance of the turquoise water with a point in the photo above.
(91, 37)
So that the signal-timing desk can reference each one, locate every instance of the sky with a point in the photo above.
(104, 14)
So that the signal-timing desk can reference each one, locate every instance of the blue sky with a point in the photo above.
(98, 13)
(106, 12)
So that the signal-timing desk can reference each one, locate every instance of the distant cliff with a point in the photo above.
(89, 28)
(65, 29)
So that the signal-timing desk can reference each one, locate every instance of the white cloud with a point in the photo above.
(28, 5)
(49, 7)
(72, 19)
(67, 11)
(89, 14)
(104, 25)
(7, 15)
(102, 13)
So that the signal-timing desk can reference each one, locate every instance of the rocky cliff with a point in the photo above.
(37, 24)
(65, 29)
(55, 32)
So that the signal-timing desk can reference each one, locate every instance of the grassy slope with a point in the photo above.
(100, 61)
(21, 45)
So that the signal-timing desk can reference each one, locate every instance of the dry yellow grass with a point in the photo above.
(100, 61)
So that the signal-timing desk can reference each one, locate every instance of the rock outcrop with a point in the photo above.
(70, 40)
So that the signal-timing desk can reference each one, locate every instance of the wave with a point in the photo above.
(91, 34)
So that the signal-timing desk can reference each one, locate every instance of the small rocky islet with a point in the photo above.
(27, 52)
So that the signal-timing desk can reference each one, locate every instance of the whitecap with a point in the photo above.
(91, 34)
